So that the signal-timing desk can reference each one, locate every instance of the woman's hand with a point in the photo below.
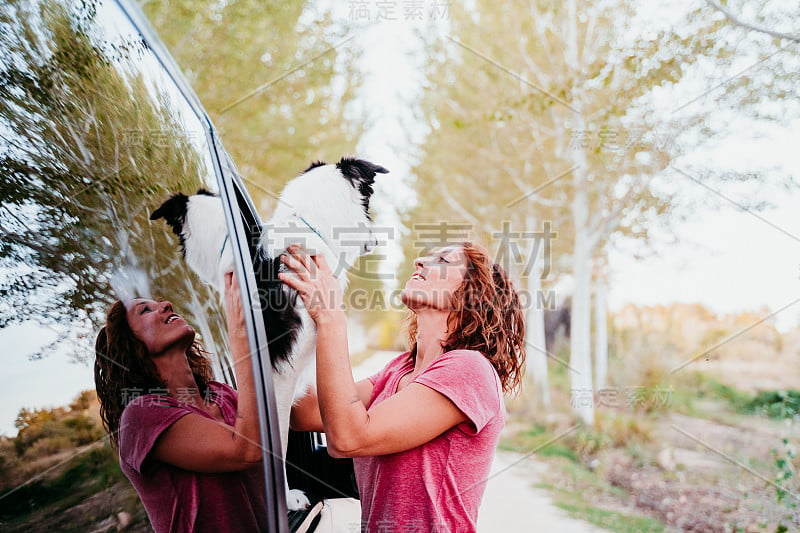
(233, 308)
(314, 282)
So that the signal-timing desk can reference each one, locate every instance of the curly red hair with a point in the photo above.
(486, 316)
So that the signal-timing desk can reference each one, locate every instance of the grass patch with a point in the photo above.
(580, 480)
(613, 429)
(694, 386)
(554, 450)
(611, 520)
(777, 404)
(535, 439)
(576, 489)
(735, 398)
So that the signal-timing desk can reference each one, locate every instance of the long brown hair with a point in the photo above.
(124, 369)
(486, 315)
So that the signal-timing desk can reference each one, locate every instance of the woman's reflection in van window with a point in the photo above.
(189, 445)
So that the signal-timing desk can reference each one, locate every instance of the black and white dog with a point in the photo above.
(325, 209)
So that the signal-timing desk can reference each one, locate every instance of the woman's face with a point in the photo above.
(157, 326)
(436, 277)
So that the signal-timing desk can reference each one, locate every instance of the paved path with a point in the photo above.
(510, 503)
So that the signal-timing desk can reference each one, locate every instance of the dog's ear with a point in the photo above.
(172, 210)
(360, 173)
(205, 192)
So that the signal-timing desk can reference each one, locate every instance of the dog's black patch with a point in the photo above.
(282, 322)
(206, 192)
(313, 165)
(361, 175)
(173, 211)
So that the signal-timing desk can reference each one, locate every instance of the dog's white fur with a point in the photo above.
(204, 230)
(321, 198)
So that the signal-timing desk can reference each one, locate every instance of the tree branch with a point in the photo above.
(605, 229)
(455, 205)
(738, 22)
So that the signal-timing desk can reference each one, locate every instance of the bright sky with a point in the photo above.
(48, 382)
(727, 259)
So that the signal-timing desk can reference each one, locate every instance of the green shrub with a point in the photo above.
(45, 431)
(775, 404)
(535, 439)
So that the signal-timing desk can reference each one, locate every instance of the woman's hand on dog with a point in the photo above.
(233, 307)
(314, 282)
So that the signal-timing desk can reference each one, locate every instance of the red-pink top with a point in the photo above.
(437, 486)
(178, 500)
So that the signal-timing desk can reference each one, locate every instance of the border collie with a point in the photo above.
(325, 209)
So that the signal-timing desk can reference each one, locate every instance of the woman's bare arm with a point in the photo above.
(199, 444)
(305, 411)
(412, 417)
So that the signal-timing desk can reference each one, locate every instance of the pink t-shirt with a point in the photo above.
(178, 500)
(437, 486)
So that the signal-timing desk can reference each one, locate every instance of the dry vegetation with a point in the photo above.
(709, 447)
(60, 474)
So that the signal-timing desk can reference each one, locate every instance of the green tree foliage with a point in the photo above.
(566, 85)
(228, 50)
(59, 473)
(504, 131)
(545, 111)
(92, 143)
(45, 431)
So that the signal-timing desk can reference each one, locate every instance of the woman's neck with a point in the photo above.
(431, 334)
(173, 367)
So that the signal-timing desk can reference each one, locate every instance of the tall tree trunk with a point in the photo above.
(580, 328)
(600, 332)
(534, 321)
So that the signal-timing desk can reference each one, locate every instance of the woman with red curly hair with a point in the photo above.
(423, 430)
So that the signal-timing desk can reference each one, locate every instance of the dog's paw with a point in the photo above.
(296, 500)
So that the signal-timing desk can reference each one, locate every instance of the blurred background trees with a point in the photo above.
(276, 83)
(548, 140)
(572, 132)
(543, 112)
